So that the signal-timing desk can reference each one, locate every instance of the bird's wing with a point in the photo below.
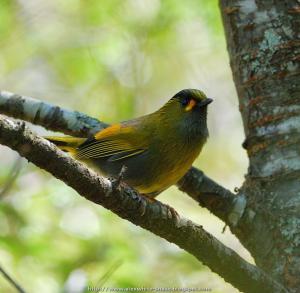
(116, 142)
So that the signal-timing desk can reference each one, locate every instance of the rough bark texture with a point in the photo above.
(47, 115)
(264, 49)
(128, 204)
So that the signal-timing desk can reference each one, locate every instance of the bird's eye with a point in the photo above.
(185, 101)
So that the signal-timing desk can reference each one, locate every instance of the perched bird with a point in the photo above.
(153, 151)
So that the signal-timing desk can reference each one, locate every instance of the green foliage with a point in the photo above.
(113, 60)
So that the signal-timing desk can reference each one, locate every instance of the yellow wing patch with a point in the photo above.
(113, 130)
(117, 142)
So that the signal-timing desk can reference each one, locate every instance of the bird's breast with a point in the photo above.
(168, 164)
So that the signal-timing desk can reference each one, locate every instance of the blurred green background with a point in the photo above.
(114, 60)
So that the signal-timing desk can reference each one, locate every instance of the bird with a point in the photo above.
(149, 153)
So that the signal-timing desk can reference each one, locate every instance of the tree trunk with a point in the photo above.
(263, 44)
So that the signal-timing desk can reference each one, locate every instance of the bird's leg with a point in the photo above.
(148, 198)
(121, 175)
(144, 200)
(172, 212)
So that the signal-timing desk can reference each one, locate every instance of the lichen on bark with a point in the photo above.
(264, 49)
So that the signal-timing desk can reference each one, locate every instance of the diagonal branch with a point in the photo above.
(217, 199)
(126, 203)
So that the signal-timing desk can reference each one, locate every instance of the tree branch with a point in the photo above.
(217, 199)
(49, 116)
(126, 203)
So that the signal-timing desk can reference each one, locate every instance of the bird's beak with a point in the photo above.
(205, 102)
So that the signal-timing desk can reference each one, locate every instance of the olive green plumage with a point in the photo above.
(156, 149)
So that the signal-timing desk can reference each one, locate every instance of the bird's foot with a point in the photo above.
(172, 213)
(144, 200)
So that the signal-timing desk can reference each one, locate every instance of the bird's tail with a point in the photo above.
(65, 143)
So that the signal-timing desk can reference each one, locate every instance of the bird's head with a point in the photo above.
(186, 104)
(187, 110)
(191, 100)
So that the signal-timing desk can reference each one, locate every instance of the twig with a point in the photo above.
(109, 273)
(11, 281)
(13, 175)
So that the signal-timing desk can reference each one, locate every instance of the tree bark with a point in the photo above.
(264, 49)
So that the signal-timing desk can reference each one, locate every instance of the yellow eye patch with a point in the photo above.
(192, 103)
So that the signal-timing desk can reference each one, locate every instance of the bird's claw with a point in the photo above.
(143, 205)
(172, 213)
(169, 211)
(144, 200)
